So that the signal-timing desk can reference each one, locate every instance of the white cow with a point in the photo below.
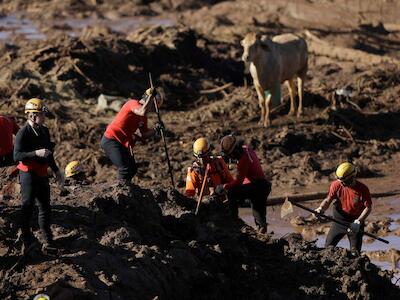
(273, 61)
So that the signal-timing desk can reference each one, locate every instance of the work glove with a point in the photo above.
(219, 189)
(318, 210)
(159, 127)
(355, 226)
(60, 179)
(149, 92)
(42, 152)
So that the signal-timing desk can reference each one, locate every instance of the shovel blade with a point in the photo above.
(286, 209)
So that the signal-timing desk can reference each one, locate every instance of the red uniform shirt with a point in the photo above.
(248, 169)
(352, 200)
(125, 124)
(8, 127)
(218, 174)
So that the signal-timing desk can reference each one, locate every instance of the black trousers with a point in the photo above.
(34, 187)
(7, 160)
(337, 232)
(257, 192)
(120, 157)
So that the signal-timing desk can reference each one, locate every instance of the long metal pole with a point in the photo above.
(162, 134)
(336, 221)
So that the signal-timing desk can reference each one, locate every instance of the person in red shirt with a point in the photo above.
(8, 128)
(352, 205)
(128, 127)
(250, 182)
(218, 173)
(34, 151)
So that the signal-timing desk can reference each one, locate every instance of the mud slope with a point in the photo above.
(140, 244)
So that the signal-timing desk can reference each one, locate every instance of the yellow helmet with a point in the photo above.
(73, 168)
(201, 147)
(228, 143)
(35, 105)
(346, 171)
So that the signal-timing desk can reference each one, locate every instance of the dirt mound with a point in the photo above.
(140, 244)
(84, 68)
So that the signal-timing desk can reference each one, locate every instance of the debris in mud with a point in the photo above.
(138, 243)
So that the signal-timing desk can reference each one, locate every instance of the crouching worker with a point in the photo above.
(34, 152)
(218, 173)
(74, 174)
(74, 177)
(128, 127)
(250, 182)
(351, 205)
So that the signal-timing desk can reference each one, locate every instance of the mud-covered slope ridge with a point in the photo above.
(179, 60)
(135, 243)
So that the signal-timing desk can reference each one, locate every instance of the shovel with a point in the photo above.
(287, 208)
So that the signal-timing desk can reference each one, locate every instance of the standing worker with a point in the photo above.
(351, 205)
(250, 182)
(34, 151)
(8, 128)
(218, 173)
(121, 134)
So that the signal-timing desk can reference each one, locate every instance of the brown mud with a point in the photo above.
(83, 51)
(140, 244)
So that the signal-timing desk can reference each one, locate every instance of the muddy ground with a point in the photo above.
(142, 244)
(88, 48)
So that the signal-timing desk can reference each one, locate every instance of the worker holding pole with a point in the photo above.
(351, 206)
(208, 173)
(128, 127)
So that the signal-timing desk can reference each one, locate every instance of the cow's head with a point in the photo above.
(251, 46)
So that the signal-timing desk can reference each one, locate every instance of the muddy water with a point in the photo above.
(15, 25)
(382, 208)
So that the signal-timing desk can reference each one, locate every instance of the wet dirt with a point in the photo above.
(141, 244)
(384, 255)
(108, 47)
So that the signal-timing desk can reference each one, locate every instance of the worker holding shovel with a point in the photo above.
(128, 127)
(352, 205)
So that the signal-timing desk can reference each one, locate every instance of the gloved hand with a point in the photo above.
(149, 91)
(318, 210)
(219, 189)
(60, 179)
(42, 152)
(159, 126)
(355, 226)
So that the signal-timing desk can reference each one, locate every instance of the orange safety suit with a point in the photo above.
(217, 174)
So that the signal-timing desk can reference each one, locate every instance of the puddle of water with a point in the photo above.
(14, 25)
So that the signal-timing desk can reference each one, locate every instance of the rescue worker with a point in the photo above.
(34, 151)
(351, 205)
(8, 128)
(128, 127)
(250, 182)
(218, 173)
(74, 174)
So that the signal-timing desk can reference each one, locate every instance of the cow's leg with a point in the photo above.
(291, 88)
(267, 120)
(300, 86)
(261, 102)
